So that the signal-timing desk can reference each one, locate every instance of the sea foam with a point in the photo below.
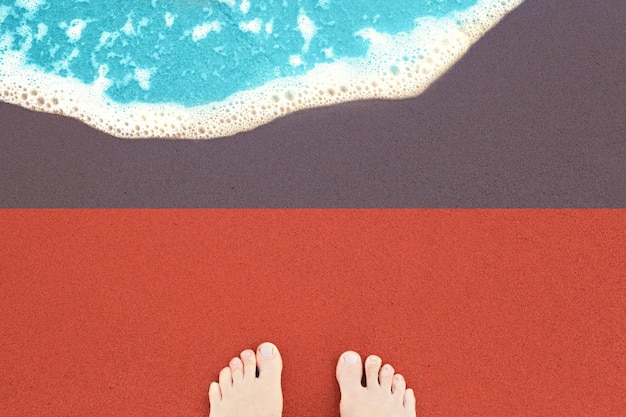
(394, 67)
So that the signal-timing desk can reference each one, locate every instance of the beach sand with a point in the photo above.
(531, 116)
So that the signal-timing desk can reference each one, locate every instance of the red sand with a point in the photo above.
(485, 312)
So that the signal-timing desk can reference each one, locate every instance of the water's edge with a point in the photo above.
(380, 75)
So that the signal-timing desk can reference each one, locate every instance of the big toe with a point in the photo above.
(269, 361)
(349, 371)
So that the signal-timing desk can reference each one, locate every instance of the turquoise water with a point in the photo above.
(198, 52)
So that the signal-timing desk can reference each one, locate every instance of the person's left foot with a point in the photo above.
(240, 393)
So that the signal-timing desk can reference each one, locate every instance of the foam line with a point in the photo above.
(394, 67)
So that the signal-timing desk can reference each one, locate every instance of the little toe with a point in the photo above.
(269, 361)
(249, 364)
(409, 401)
(215, 395)
(372, 369)
(385, 377)
(349, 371)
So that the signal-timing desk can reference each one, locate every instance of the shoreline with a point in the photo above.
(418, 59)
(531, 121)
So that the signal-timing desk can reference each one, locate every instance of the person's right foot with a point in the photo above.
(385, 395)
(240, 393)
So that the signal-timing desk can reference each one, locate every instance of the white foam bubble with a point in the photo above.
(4, 12)
(169, 19)
(63, 65)
(42, 30)
(323, 3)
(375, 38)
(142, 76)
(128, 28)
(102, 83)
(244, 6)
(75, 30)
(295, 60)
(107, 39)
(27, 34)
(30, 5)
(202, 31)
(253, 26)
(6, 41)
(143, 22)
(393, 69)
(307, 29)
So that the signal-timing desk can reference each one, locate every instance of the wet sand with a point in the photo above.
(532, 116)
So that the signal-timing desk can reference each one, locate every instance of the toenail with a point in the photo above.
(350, 358)
(267, 351)
(247, 353)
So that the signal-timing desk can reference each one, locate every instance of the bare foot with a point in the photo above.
(384, 396)
(240, 393)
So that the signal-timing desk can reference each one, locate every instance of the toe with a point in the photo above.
(349, 371)
(236, 369)
(372, 368)
(249, 364)
(269, 361)
(385, 377)
(226, 380)
(409, 401)
(215, 394)
(397, 387)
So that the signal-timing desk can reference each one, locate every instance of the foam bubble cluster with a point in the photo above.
(395, 66)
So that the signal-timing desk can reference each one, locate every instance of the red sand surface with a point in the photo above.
(485, 312)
